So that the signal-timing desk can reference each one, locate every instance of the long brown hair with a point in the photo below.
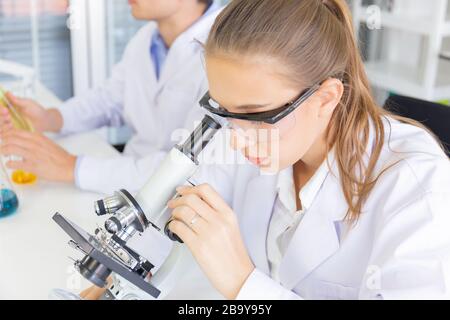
(314, 40)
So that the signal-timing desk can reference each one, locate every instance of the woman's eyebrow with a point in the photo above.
(253, 106)
(247, 106)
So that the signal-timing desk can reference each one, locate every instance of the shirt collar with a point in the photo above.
(158, 52)
(310, 190)
(286, 188)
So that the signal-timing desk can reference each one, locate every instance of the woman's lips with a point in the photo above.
(257, 161)
(131, 2)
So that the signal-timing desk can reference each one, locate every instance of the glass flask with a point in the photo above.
(19, 122)
(8, 197)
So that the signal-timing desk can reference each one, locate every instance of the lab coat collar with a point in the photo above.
(286, 188)
(310, 190)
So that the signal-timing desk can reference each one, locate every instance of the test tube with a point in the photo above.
(19, 122)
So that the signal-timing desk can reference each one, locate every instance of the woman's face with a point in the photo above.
(244, 86)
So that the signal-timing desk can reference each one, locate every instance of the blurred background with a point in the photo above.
(69, 47)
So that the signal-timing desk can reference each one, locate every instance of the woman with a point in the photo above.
(358, 207)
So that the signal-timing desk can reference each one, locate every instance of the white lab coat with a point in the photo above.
(399, 248)
(153, 109)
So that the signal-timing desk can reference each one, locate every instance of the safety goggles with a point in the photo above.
(269, 117)
(260, 126)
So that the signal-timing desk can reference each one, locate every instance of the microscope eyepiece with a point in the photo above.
(212, 123)
(200, 138)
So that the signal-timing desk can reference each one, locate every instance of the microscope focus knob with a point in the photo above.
(172, 236)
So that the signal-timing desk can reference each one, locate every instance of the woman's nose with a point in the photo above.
(238, 141)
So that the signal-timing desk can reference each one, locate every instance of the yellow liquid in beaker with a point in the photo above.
(19, 122)
(23, 177)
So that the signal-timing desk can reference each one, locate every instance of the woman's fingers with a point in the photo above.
(183, 231)
(194, 202)
(190, 218)
(206, 193)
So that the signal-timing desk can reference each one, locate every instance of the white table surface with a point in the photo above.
(33, 249)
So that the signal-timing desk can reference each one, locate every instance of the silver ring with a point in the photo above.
(194, 219)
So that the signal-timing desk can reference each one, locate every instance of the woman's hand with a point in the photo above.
(209, 227)
(39, 154)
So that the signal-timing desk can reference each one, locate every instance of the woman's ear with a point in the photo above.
(330, 94)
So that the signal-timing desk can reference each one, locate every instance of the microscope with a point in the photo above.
(108, 252)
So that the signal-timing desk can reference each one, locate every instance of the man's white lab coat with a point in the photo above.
(153, 109)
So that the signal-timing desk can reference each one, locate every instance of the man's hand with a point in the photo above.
(39, 154)
(42, 119)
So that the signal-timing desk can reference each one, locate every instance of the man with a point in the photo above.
(155, 90)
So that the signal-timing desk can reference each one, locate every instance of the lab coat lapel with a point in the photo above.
(149, 76)
(316, 237)
(258, 204)
(175, 61)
